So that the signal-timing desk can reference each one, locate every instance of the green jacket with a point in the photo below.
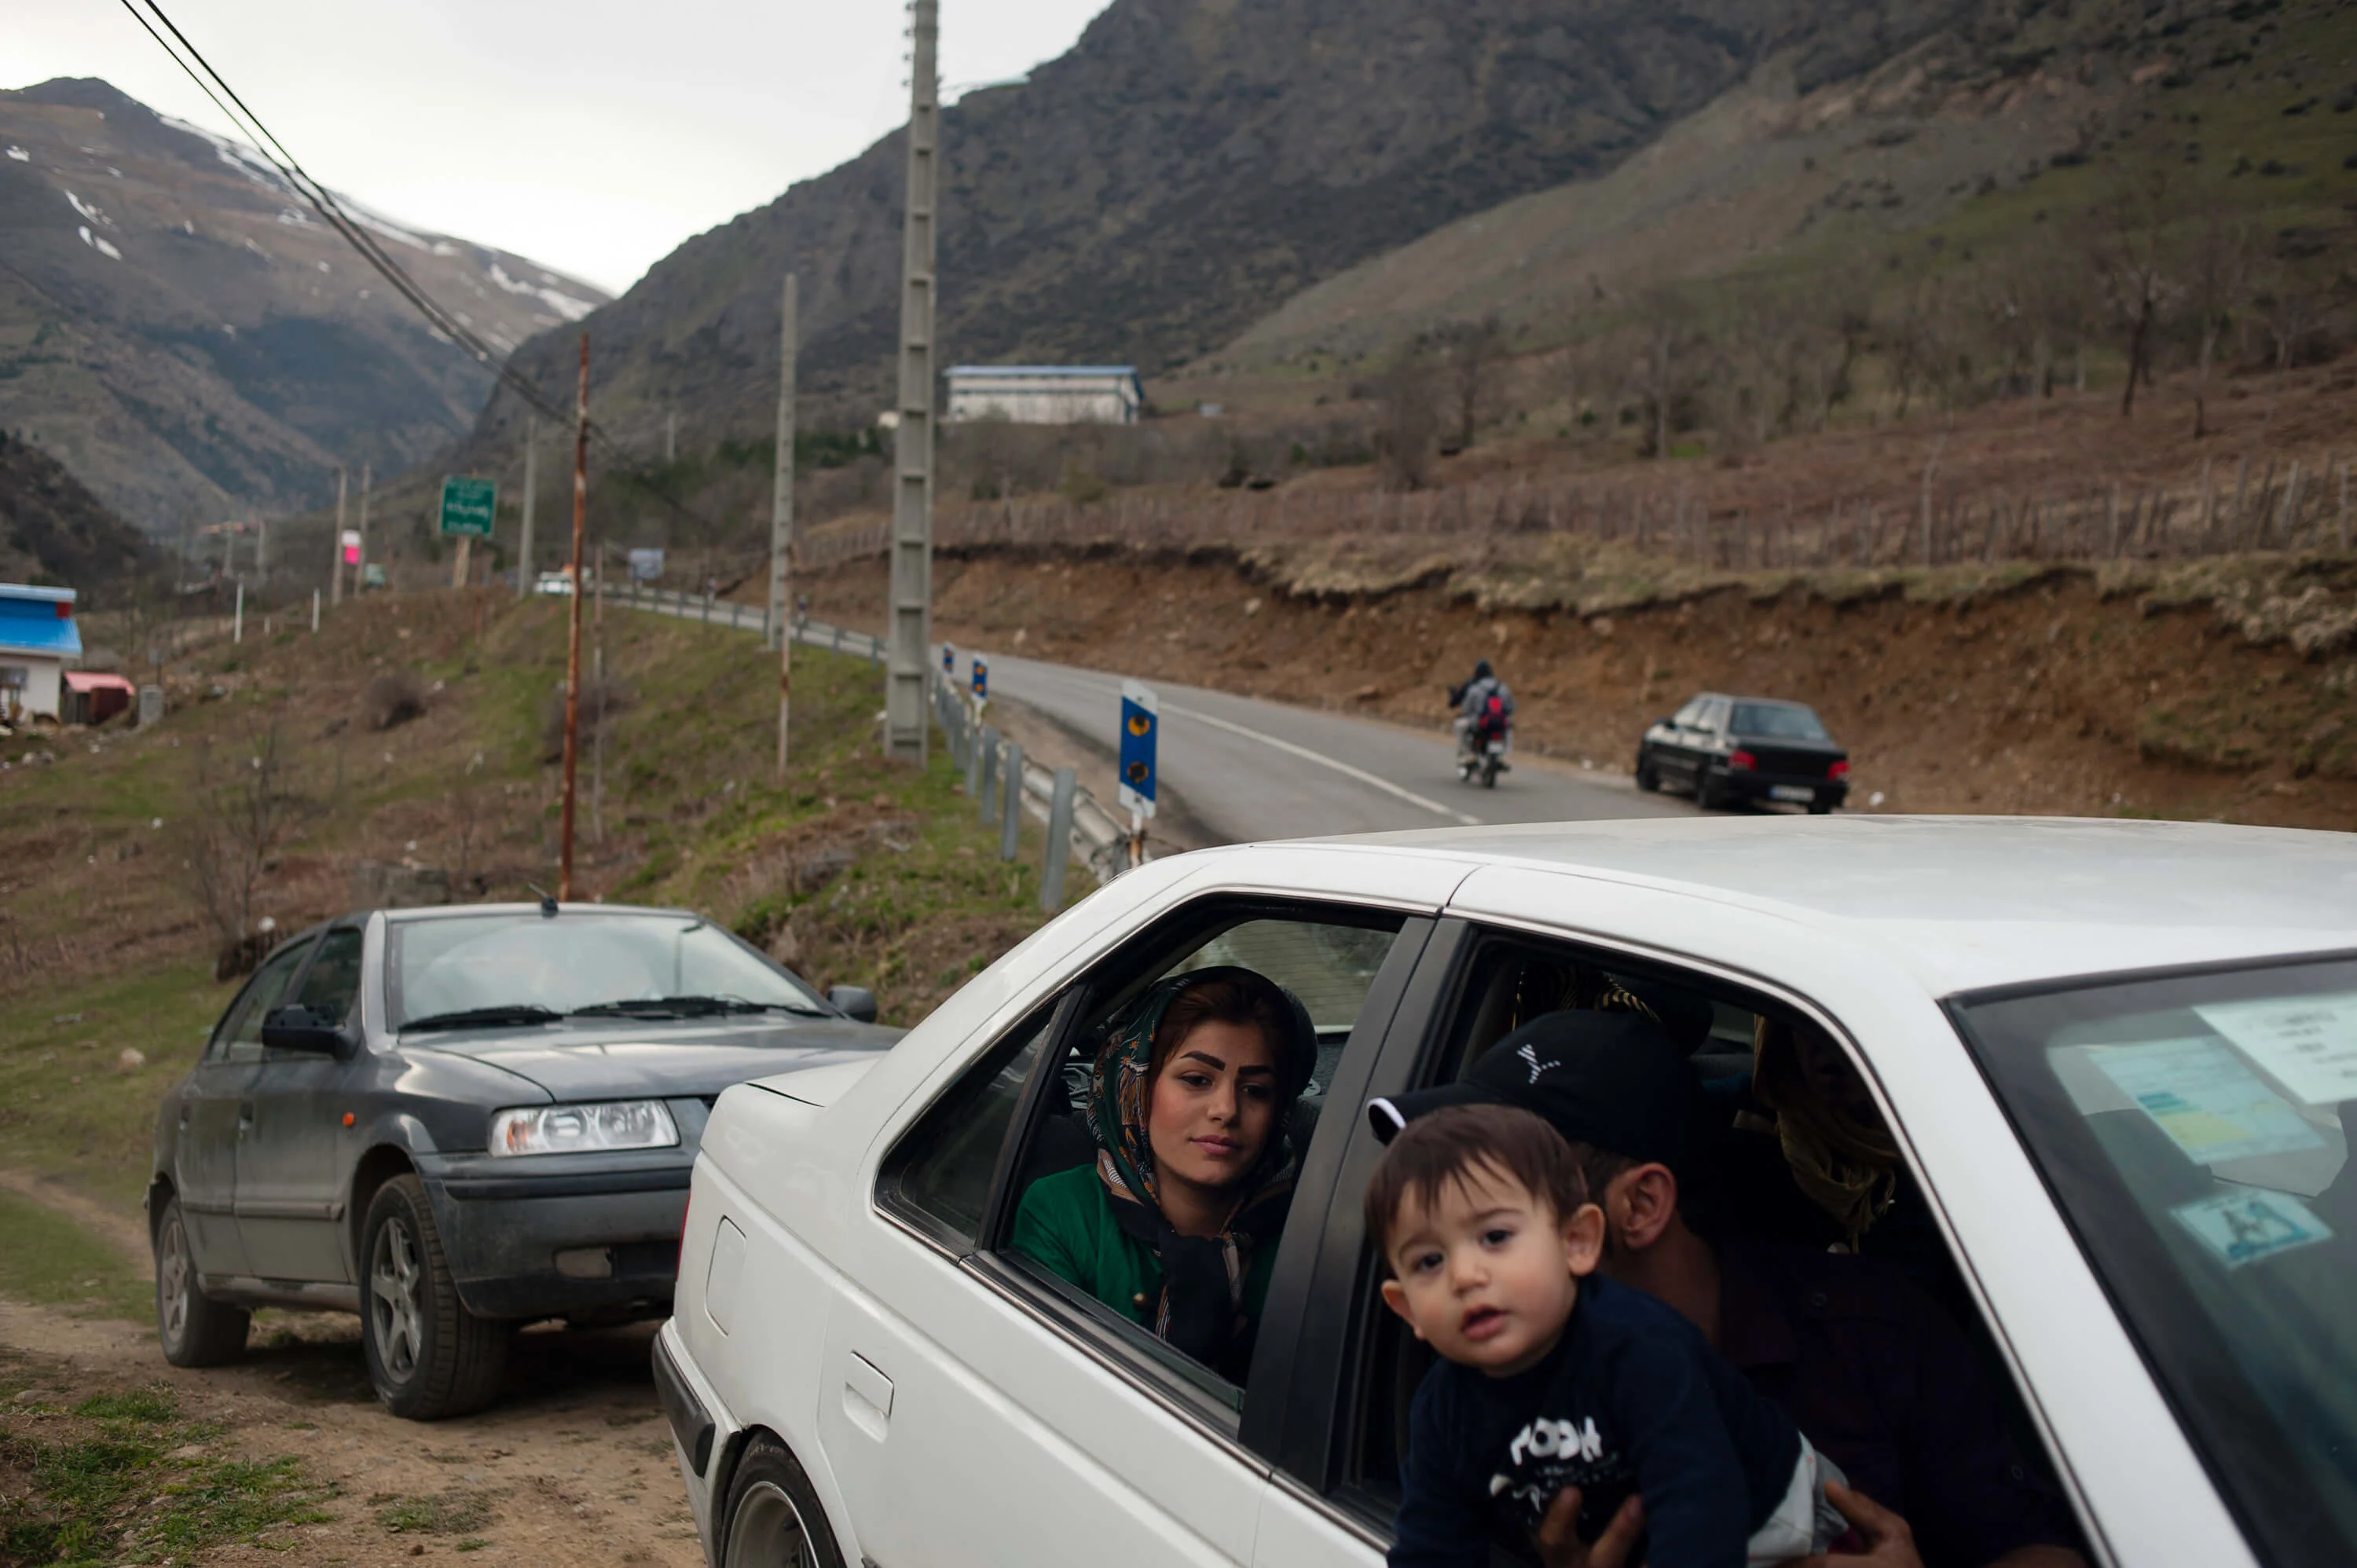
(1065, 1224)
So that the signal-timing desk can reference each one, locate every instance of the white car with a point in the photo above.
(2114, 1053)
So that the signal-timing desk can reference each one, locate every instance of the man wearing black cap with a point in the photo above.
(1870, 1369)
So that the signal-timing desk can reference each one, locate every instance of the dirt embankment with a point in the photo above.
(2048, 692)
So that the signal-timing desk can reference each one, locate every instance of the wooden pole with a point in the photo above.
(781, 518)
(573, 632)
(335, 553)
(524, 573)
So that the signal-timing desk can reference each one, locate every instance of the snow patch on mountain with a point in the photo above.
(556, 299)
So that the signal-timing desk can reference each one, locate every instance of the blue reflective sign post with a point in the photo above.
(980, 680)
(1141, 731)
(949, 662)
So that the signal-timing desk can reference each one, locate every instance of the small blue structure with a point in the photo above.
(38, 640)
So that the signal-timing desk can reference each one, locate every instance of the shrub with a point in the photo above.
(392, 699)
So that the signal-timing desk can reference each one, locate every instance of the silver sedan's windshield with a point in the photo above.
(499, 969)
(2197, 1131)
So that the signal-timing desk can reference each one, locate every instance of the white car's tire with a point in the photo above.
(773, 1517)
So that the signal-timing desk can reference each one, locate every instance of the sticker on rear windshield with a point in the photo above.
(2242, 1227)
(2211, 1105)
(2309, 1043)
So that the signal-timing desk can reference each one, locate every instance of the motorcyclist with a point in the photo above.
(1482, 703)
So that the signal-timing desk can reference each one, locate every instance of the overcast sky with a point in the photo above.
(593, 135)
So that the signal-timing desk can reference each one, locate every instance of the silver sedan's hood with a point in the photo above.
(635, 1058)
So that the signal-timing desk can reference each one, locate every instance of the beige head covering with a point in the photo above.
(1850, 1168)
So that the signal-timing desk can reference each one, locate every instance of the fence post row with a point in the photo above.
(988, 770)
(1060, 841)
(1010, 826)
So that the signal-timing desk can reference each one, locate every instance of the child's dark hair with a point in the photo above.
(1448, 1144)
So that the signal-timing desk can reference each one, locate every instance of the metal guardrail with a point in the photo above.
(1075, 817)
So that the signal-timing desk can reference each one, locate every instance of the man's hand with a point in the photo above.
(1558, 1539)
(1890, 1543)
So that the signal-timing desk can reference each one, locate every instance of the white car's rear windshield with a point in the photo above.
(455, 964)
(2197, 1129)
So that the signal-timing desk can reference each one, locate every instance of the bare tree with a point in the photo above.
(1408, 424)
(245, 806)
(2289, 310)
(1669, 365)
(2129, 251)
(1466, 356)
(2217, 280)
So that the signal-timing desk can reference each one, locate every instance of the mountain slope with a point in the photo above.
(1187, 165)
(54, 531)
(182, 330)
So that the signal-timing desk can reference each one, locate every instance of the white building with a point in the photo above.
(1045, 394)
(38, 640)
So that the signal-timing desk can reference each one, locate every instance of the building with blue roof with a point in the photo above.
(1047, 395)
(38, 638)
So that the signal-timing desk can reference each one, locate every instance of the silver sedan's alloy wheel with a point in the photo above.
(175, 1278)
(395, 1278)
(767, 1530)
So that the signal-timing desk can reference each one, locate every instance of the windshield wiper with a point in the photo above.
(687, 1007)
(507, 1015)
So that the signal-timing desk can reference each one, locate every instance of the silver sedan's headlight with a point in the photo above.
(584, 1129)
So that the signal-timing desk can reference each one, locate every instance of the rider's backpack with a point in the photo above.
(1494, 713)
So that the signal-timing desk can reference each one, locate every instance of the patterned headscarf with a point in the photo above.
(1201, 1308)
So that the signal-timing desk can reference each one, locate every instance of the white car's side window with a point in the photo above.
(939, 1178)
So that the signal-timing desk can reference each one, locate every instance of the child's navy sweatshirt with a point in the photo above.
(1632, 1399)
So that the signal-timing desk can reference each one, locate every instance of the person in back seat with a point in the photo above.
(1174, 1225)
(1865, 1361)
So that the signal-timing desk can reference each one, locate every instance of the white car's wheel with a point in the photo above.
(774, 1519)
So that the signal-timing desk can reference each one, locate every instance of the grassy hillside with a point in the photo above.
(854, 870)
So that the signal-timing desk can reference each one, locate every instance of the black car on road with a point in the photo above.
(452, 1121)
(1742, 750)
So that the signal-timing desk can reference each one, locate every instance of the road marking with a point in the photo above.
(1363, 776)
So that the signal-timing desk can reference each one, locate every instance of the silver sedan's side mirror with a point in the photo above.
(857, 1002)
(298, 1028)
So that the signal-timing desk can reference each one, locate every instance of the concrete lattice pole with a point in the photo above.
(573, 631)
(782, 517)
(531, 499)
(336, 551)
(905, 726)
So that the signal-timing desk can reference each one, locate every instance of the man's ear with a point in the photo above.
(1641, 1204)
(1583, 1239)
(1395, 1297)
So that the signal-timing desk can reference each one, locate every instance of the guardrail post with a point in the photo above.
(838, 639)
(1010, 826)
(1060, 841)
(983, 771)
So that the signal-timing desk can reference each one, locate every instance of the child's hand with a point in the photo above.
(1559, 1538)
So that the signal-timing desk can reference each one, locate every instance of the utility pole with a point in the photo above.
(336, 554)
(597, 738)
(262, 547)
(573, 633)
(782, 517)
(906, 729)
(359, 567)
(531, 495)
(671, 438)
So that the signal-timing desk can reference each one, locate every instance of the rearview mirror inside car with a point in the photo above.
(857, 1000)
(298, 1028)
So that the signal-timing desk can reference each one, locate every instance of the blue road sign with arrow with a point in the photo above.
(1141, 729)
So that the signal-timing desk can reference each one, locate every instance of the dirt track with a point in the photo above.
(573, 1465)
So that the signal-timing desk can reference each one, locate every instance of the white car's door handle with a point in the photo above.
(866, 1396)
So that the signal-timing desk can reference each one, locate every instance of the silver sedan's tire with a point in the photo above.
(773, 1517)
(195, 1329)
(428, 1356)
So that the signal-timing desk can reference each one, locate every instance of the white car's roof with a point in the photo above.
(1965, 902)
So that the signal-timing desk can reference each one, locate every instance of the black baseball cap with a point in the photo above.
(1613, 1080)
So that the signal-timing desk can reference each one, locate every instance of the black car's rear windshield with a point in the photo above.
(460, 963)
(2196, 1130)
(1776, 721)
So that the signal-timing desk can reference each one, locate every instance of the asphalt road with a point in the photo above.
(1242, 769)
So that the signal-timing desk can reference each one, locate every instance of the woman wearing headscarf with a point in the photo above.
(1174, 1225)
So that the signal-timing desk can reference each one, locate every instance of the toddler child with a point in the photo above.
(1553, 1376)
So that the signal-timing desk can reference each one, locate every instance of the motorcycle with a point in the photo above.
(1481, 746)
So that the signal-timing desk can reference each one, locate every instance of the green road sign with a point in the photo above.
(466, 506)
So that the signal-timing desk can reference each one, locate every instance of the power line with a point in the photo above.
(323, 201)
